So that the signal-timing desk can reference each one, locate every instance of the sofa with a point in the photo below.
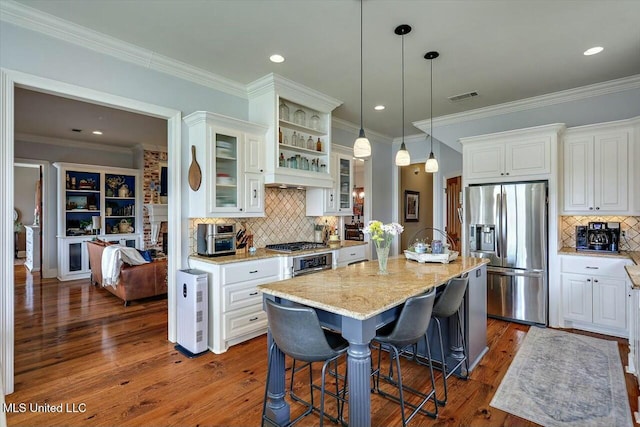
(135, 281)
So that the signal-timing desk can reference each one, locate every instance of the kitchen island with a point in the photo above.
(356, 300)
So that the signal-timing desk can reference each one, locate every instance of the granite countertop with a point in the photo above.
(634, 274)
(262, 253)
(358, 291)
(632, 270)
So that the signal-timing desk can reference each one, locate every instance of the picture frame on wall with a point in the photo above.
(411, 205)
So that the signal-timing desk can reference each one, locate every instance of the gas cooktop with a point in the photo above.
(295, 246)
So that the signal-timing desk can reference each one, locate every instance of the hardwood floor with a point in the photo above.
(76, 345)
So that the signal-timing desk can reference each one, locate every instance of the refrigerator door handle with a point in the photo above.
(497, 233)
(503, 222)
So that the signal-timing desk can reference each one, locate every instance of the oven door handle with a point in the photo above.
(311, 270)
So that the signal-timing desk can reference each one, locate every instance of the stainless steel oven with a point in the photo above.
(311, 263)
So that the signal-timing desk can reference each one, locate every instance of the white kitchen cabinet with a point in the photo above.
(596, 170)
(33, 247)
(350, 254)
(254, 193)
(235, 304)
(73, 258)
(633, 361)
(512, 155)
(230, 153)
(594, 294)
(286, 108)
(337, 200)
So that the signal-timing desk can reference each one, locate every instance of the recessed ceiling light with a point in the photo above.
(276, 58)
(379, 107)
(97, 132)
(593, 51)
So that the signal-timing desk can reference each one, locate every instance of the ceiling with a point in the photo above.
(42, 115)
(505, 50)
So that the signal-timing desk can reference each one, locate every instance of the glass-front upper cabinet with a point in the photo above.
(345, 181)
(226, 170)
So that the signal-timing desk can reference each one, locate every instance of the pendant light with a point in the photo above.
(362, 146)
(402, 157)
(431, 166)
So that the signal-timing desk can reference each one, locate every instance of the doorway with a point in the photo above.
(416, 204)
(453, 214)
(11, 80)
(29, 196)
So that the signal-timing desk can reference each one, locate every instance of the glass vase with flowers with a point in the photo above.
(382, 235)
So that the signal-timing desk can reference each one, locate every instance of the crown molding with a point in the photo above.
(583, 92)
(35, 20)
(418, 137)
(355, 129)
(61, 142)
(292, 91)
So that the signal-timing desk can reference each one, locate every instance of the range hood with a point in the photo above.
(157, 214)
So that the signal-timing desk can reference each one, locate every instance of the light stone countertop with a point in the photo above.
(262, 253)
(358, 291)
(634, 274)
(632, 270)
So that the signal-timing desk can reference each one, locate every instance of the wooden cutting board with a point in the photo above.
(195, 174)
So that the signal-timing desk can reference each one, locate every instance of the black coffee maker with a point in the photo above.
(598, 236)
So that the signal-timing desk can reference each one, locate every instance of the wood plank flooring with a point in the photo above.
(78, 346)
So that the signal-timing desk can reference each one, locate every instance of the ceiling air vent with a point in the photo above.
(462, 96)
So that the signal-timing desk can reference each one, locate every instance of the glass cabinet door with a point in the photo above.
(226, 171)
(345, 183)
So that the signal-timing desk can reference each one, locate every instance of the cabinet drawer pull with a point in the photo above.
(592, 268)
(253, 293)
(353, 254)
(253, 319)
(588, 280)
(595, 280)
(253, 272)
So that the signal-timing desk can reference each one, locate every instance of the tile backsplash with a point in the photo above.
(629, 224)
(285, 220)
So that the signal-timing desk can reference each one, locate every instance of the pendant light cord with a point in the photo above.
(403, 88)
(431, 111)
(361, 111)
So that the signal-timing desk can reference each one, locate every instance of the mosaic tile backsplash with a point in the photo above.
(285, 220)
(629, 224)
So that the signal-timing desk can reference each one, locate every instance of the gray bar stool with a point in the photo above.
(296, 331)
(448, 304)
(402, 337)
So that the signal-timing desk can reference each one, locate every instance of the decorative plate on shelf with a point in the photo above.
(428, 257)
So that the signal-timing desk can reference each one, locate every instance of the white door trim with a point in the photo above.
(10, 79)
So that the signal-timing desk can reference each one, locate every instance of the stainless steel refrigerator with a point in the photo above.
(507, 224)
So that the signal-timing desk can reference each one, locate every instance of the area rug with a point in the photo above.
(563, 379)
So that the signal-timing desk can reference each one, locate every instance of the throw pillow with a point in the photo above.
(146, 255)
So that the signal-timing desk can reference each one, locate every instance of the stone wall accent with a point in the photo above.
(151, 172)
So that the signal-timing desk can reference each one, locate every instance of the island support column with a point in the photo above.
(278, 409)
(359, 333)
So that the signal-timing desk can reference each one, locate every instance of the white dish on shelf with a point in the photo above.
(429, 257)
(225, 180)
(224, 144)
